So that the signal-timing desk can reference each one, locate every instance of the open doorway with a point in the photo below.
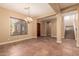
(69, 26)
(38, 29)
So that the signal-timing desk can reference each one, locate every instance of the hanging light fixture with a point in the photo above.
(29, 18)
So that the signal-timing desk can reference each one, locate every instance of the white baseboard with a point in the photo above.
(34, 36)
(3, 43)
(59, 41)
(77, 45)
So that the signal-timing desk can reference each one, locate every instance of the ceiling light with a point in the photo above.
(29, 18)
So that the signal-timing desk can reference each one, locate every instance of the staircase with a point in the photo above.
(69, 33)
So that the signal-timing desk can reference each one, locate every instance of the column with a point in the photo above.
(59, 20)
(77, 29)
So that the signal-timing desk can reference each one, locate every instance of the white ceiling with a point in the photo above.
(36, 9)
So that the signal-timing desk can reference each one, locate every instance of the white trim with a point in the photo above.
(77, 45)
(34, 36)
(56, 36)
(3, 43)
(59, 41)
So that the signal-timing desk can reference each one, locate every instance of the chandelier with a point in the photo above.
(28, 18)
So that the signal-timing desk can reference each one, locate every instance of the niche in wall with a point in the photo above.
(17, 26)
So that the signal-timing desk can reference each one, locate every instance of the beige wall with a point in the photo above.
(53, 28)
(5, 26)
(43, 28)
(49, 29)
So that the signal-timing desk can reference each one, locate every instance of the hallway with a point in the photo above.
(41, 46)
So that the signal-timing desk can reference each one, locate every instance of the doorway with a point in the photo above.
(69, 26)
(38, 29)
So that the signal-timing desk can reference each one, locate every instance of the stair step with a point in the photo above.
(69, 34)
